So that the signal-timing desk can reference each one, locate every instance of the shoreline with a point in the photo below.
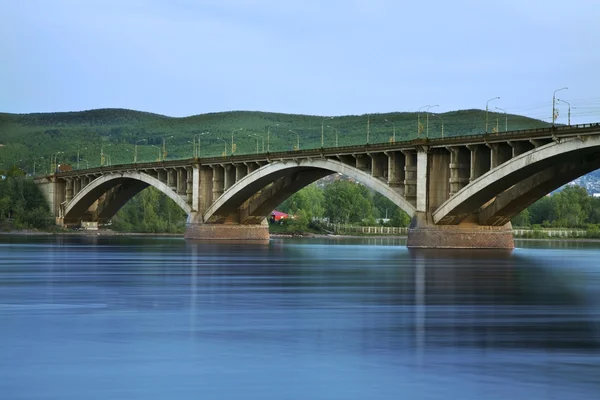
(272, 235)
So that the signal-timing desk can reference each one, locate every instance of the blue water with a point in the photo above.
(161, 318)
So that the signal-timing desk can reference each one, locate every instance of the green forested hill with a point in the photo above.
(34, 138)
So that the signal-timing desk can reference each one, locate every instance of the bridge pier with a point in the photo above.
(423, 233)
(202, 231)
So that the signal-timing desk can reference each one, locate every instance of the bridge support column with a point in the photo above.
(201, 231)
(466, 235)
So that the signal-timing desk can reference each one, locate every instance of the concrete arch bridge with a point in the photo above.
(461, 191)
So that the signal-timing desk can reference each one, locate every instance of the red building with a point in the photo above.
(277, 216)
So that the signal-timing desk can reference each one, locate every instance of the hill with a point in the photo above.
(38, 137)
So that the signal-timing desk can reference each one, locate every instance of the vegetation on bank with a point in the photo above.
(22, 205)
(35, 141)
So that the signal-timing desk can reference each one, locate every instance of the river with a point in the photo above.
(96, 317)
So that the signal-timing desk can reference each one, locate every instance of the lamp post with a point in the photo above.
(197, 147)
(262, 139)
(164, 147)
(54, 165)
(486, 112)
(256, 137)
(102, 153)
(505, 119)
(336, 134)
(442, 120)
(427, 119)
(419, 120)
(269, 137)
(233, 144)
(554, 104)
(158, 152)
(225, 151)
(394, 134)
(34, 160)
(78, 151)
(568, 104)
(87, 164)
(323, 129)
(135, 150)
(297, 140)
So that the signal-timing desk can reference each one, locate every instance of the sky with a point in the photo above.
(320, 57)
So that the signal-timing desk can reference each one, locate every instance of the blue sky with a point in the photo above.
(183, 57)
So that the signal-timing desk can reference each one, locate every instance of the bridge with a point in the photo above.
(461, 192)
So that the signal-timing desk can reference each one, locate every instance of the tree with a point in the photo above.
(347, 202)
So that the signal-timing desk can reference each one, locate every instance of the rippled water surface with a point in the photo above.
(161, 318)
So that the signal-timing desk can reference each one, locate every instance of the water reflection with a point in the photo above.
(106, 317)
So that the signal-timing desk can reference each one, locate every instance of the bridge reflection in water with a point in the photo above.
(462, 192)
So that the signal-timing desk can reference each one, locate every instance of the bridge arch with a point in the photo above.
(287, 177)
(132, 181)
(508, 189)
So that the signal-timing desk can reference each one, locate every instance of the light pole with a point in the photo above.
(394, 125)
(486, 112)
(554, 104)
(262, 138)
(323, 129)
(164, 147)
(256, 137)
(158, 152)
(505, 119)
(34, 160)
(427, 119)
(87, 164)
(55, 157)
(135, 150)
(102, 153)
(297, 139)
(225, 151)
(197, 147)
(336, 134)
(78, 151)
(442, 120)
(419, 120)
(568, 104)
(233, 144)
(269, 137)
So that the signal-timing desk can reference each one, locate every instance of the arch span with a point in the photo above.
(134, 182)
(287, 178)
(520, 181)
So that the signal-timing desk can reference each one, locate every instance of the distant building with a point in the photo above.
(277, 216)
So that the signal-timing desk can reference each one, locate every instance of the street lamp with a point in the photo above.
(505, 119)
(197, 147)
(256, 137)
(87, 164)
(78, 151)
(336, 134)
(427, 118)
(297, 139)
(55, 165)
(442, 120)
(268, 137)
(164, 147)
(394, 125)
(34, 160)
(486, 112)
(102, 153)
(554, 104)
(323, 129)
(225, 151)
(233, 144)
(158, 152)
(135, 150)
(568, 104)
(419, 120)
